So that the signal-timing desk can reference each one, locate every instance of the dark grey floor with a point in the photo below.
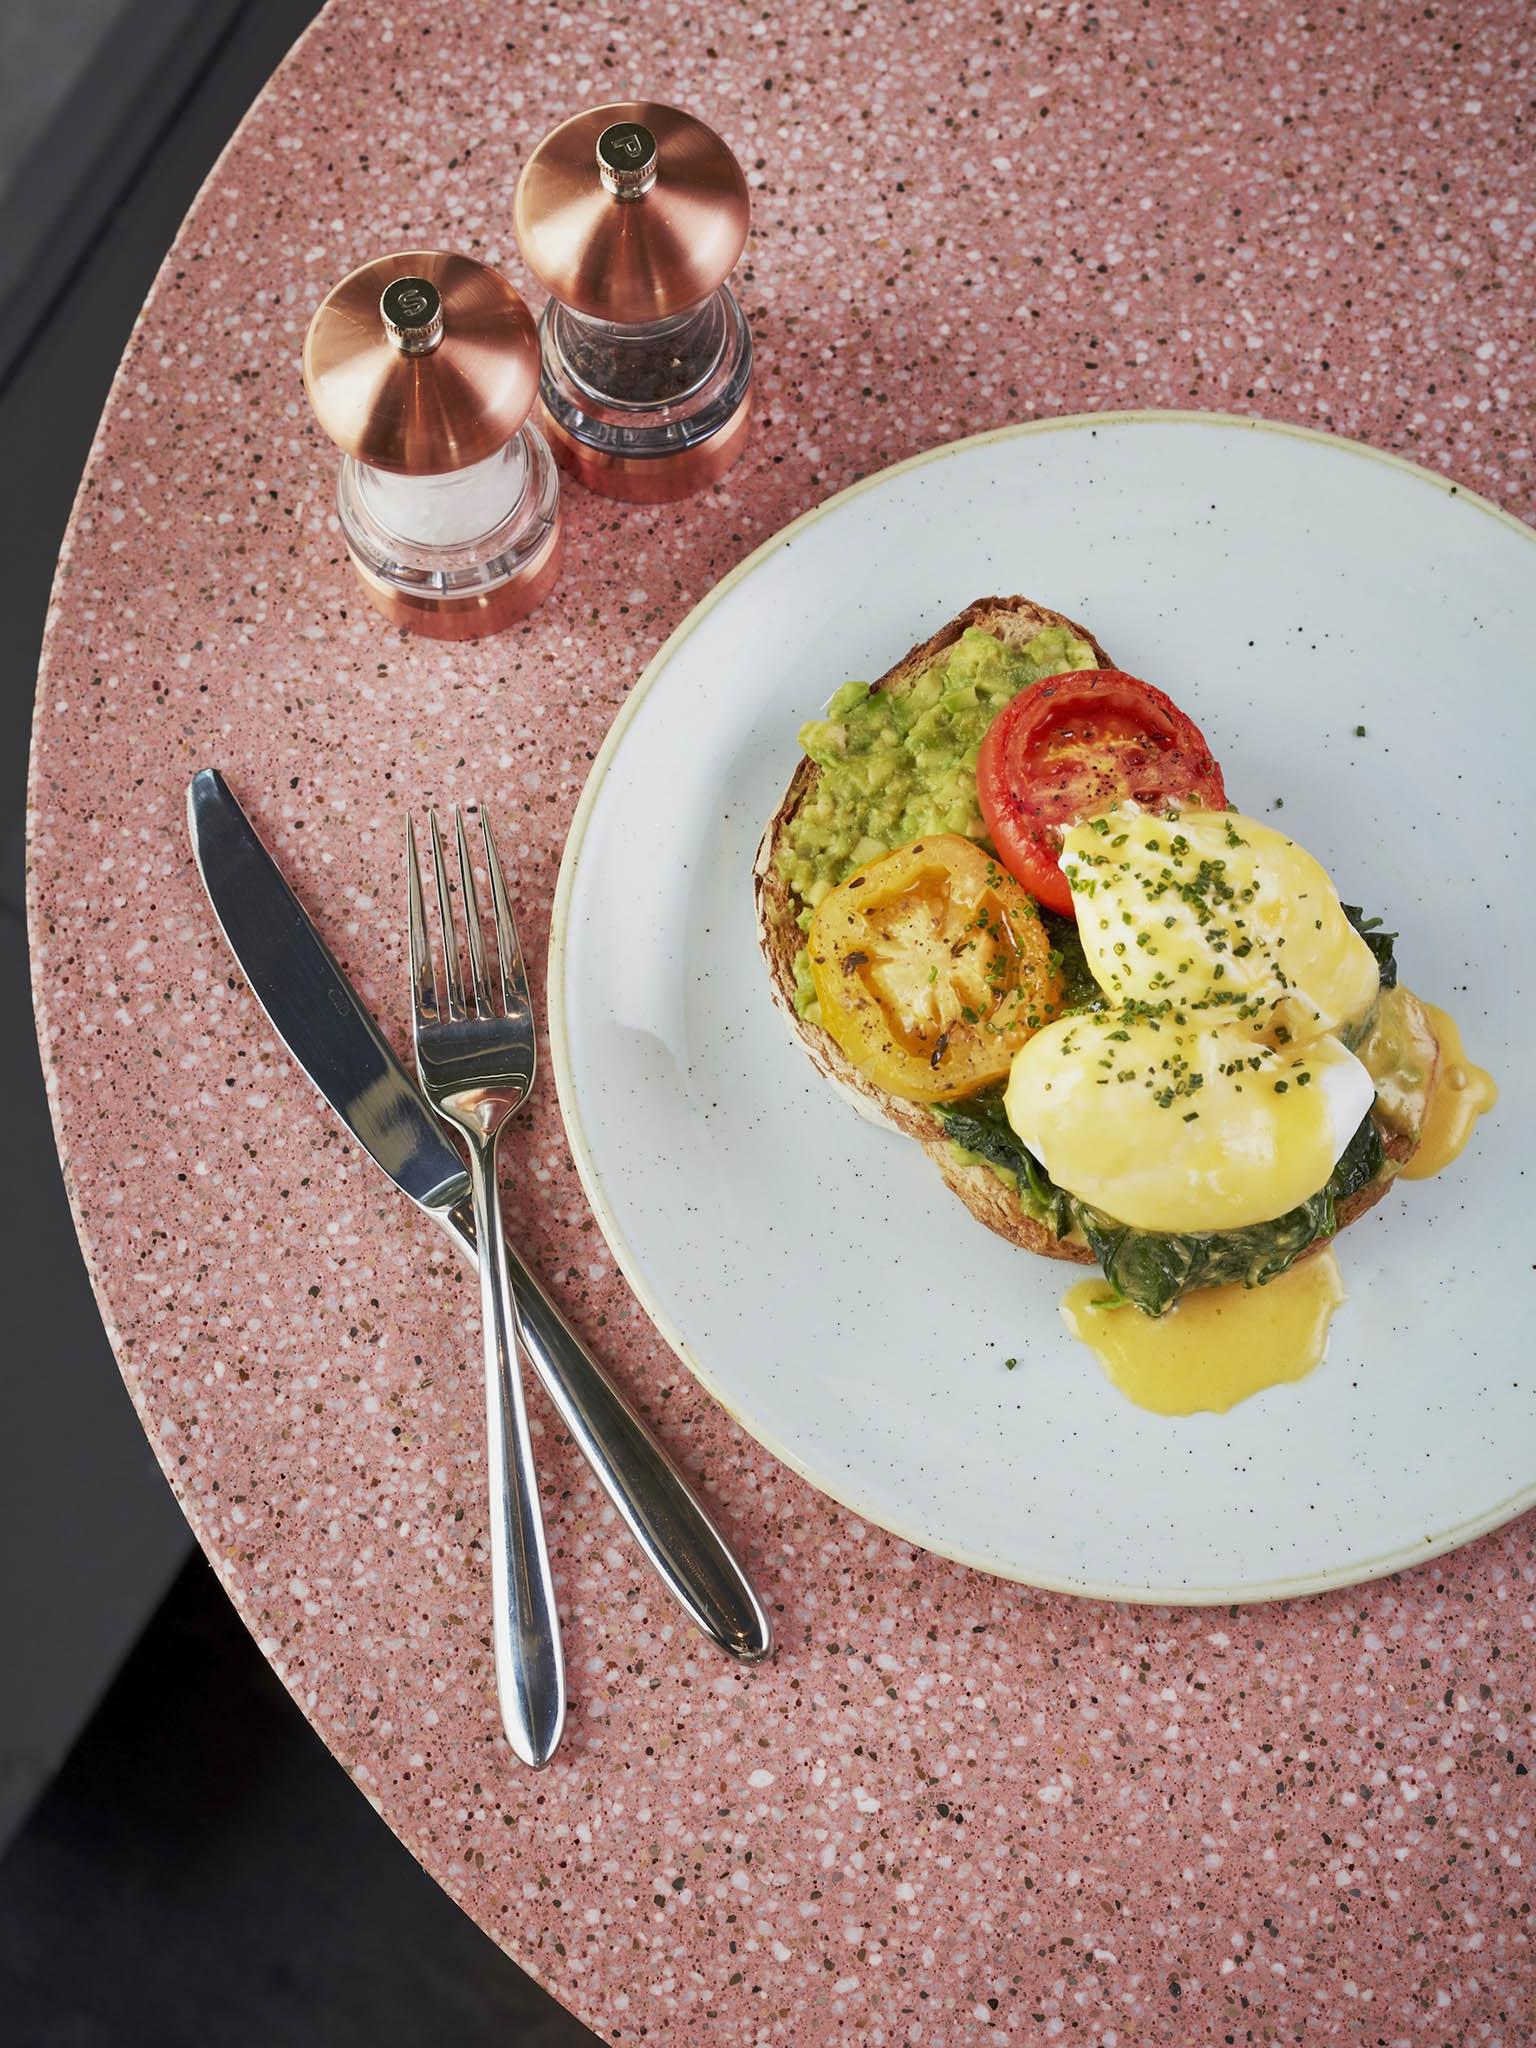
(201, 1874)
(199, 1870)
(113, 112)
(44, 53)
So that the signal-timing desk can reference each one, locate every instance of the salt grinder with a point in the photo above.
(632, 216)
(423, 368)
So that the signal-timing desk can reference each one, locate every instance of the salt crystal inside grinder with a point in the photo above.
(632, 216)
(423, 369)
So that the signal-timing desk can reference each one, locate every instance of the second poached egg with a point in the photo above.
(1172, 1129)
(1217, 912)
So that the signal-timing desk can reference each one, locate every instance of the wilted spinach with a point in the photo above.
(981, 1125)
(1381, 943)
(1080, 991)
(1153, 1268)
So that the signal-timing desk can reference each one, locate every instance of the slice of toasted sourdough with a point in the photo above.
(1014, 621)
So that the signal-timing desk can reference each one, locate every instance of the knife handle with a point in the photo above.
(665, 1517)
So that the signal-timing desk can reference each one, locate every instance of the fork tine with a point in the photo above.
(451, 963)
(514, 979)
(471, 915)
(423, 972)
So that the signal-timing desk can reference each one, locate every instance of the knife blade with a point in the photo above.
(324, 1024)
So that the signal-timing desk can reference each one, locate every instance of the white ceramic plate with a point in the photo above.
(814, 1272)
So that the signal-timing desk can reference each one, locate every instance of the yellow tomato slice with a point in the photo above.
(932, 969)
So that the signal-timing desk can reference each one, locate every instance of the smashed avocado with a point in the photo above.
(898, 763)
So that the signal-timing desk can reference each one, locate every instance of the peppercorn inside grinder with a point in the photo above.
(423, 369)
(632, 216)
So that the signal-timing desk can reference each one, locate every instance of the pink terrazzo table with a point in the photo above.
(947, 1805)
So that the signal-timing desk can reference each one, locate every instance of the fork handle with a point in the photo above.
(666, 1519)
(525, 1626)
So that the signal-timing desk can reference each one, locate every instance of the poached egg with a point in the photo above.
(1172, 1129)
(1210, 1093)
(1219, 913)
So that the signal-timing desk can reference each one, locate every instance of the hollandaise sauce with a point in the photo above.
(1218, 1346)
(1461, 1094)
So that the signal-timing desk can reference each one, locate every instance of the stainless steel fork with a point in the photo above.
(476, 1059)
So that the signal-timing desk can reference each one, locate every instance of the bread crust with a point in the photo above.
(1013, 620)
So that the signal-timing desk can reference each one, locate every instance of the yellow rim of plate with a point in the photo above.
(1330, 1580)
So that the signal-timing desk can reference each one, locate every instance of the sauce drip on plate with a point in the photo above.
(1461, 1094)
(1222, 1344)
(1218, 1346)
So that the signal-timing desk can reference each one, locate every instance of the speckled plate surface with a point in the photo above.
(813, 1271)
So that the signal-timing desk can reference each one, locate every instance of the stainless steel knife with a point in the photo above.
(318, 1015)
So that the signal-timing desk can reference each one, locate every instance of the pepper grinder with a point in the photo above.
(632, 216)
(423, 369)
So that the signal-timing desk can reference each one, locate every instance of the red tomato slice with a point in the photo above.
(1073, 746)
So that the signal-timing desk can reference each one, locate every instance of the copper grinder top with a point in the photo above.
(631, 212)
(422, 362)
